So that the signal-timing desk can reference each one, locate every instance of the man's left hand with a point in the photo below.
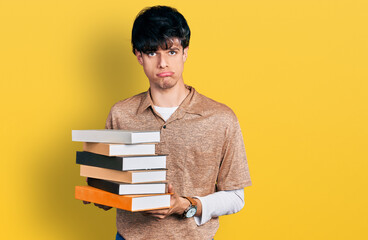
(177, 203)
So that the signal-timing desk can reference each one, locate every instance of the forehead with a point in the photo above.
(172, 43)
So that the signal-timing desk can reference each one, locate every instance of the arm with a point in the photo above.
(233, 174)
(220, 203)
(178, 205)
(213, 205)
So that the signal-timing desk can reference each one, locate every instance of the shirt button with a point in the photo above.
(164, 126)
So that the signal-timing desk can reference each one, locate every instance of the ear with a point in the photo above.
(185, 53)
(139, 56)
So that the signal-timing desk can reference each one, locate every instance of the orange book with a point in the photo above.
(133, 203)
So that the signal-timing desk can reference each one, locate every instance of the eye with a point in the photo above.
(172, 53)
(151, 54)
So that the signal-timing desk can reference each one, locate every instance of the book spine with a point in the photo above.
(91, 194)
(98, 148)
(103, 185)
(106, 174)
(97, 160)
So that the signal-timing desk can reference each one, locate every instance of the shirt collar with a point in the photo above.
(191, 104)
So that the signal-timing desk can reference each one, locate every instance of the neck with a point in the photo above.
(171, 97)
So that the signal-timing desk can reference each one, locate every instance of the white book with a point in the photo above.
(138, 176)
(116, 149)
(142, 188)
(148, 176)
(116, 136)
(127, 188)
(122, 163)
(150, 202)
(149, 162)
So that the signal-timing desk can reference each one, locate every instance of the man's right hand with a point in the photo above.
(99, 205)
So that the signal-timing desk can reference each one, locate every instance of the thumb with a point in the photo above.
(170, 188)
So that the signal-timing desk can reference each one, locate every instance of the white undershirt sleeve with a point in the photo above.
(220, 203)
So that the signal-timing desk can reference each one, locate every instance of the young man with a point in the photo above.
(207, 167)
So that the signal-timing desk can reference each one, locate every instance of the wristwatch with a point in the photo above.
(191, 210)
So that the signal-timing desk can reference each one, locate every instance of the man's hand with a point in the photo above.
(96, 204)
(177, 203)
(99, 205)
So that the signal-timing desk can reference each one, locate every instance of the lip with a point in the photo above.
(165, 74)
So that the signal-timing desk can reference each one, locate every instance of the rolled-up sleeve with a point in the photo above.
(234, 171)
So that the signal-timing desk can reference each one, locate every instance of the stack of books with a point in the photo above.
(122, 169)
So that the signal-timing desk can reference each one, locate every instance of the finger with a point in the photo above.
(170, 188)
(102, 206)
(157, 212)
(158, 217)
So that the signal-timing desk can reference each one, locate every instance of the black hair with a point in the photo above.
(156, 27)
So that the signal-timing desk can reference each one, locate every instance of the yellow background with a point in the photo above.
(294, 72)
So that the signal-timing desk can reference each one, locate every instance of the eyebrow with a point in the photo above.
(173, 48)
(169, 49)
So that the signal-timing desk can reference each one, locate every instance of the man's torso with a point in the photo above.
(195, 138)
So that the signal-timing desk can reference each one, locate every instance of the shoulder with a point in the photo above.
(129, 105)
(212, 108)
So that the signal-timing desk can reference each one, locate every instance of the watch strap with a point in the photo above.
(193, 205)
(192, 201)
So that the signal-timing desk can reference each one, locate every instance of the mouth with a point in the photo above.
(164, 74)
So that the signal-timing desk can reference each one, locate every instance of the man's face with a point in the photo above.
(164, 68)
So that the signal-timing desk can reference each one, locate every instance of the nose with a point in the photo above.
(162, 61)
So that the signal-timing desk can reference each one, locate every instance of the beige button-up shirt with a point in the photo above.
(205, 151)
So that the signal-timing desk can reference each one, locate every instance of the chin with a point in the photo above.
(164, 84)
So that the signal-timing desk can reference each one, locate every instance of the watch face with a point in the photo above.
(191, 212)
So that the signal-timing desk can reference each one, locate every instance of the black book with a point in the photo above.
(122, 163)
(127, 188)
